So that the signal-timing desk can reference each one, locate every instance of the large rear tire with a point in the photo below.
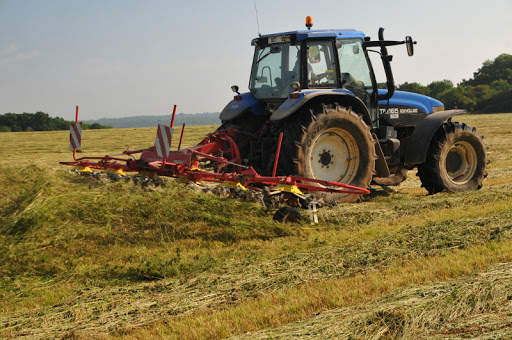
(456, 160)
(336, 146)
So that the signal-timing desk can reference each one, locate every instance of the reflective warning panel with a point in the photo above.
(75, 135)
(163, 140)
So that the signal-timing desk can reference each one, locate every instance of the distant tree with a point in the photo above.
(39, 121)
(481, 94)
(456, 98)
(414, 87)
(438, 87)
(501, 86)
(491, 70)
(9, 120)
(61, 124)
(95, 126)
(500, 102)
(490, 89)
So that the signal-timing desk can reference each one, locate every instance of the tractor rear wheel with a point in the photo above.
(336, 146)
(456, 160)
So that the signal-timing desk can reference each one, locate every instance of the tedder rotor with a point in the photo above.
(215, 159)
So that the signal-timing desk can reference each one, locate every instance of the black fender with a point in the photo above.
(419, 141)
(243, 103)
(344, 98)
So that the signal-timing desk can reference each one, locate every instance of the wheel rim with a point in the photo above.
(461, 162)
(334, 156)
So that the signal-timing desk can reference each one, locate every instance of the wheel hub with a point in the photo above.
(461, 162)
(334, 156)
(453, 162)
(326, 158)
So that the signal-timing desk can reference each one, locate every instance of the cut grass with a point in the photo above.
(87, 258)
(298, 303)
(47, 149)
(475, 306)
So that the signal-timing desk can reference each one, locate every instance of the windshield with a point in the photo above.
(355, 70)
(274, 68)
(353, 63)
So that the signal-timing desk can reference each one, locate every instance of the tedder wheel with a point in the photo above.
(287, 214)
(456, 160)
(336, 146)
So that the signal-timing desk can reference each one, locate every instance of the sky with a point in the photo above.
(120, 58)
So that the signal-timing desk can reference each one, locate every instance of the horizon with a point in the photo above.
(121, 58)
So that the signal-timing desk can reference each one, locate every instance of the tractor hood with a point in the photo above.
(407, 102)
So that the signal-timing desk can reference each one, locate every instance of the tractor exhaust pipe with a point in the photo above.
(386, 62)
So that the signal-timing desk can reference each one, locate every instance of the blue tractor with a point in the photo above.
(318, 87)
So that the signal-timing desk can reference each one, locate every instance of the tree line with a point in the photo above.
(39, 121)
(489, 91)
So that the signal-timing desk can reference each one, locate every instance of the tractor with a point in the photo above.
(318, 90)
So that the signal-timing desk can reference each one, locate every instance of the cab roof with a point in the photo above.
(308, 34)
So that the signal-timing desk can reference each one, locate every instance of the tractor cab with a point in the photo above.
(316, 60)
(290, 68)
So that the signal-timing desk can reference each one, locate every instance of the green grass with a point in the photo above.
(47, 149)
(81, 257)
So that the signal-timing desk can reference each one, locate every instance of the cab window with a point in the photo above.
(274, 68)
(354, 69)
(321, 65)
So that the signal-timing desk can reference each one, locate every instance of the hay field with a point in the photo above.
(85, 258)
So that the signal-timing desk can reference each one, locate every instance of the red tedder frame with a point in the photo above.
(186, 164)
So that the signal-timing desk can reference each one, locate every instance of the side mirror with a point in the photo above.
(410, 45)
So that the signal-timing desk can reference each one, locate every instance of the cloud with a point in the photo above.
(8, 50)
(8, 55)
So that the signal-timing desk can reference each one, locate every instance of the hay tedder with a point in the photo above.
(215, 159)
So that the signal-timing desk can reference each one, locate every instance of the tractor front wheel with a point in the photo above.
(456, 160)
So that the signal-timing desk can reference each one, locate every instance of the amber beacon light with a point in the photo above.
(309, 22)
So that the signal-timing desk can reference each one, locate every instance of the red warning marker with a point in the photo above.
(75, 136)
(163, 140)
